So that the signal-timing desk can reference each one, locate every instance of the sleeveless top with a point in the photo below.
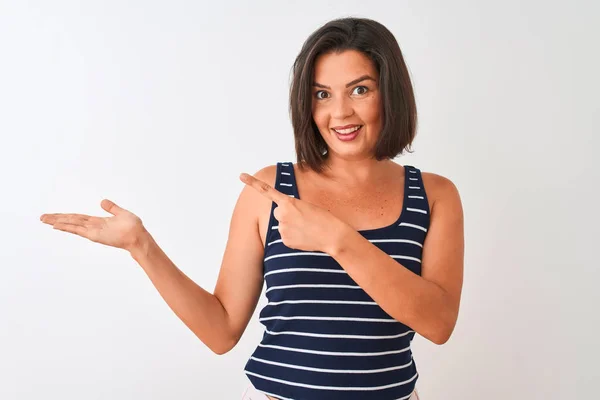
(325, 338)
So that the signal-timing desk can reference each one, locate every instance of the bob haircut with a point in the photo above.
(399, 110)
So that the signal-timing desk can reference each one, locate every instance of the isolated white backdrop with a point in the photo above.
(159, 106)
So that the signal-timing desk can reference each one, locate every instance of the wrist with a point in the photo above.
(339, 239)
(141, 244)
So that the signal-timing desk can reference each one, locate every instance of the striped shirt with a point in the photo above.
(325, 337)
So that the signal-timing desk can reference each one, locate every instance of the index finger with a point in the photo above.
(264, 188)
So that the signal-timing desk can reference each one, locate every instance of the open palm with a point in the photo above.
(121, 230)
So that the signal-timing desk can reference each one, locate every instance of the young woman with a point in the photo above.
(357, 252)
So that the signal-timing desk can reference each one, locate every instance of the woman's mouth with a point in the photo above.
(348, 133)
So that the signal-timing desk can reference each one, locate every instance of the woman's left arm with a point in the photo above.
(429, 303)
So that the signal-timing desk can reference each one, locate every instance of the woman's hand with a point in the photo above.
(302, 225)
(123, 230)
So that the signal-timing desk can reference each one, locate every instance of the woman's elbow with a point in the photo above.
(222, 348)
(442, 334)
(223, 345)
(440, 339)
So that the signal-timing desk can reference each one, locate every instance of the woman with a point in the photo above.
(358, 253)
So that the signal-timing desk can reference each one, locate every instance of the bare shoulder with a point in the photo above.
(267, 174)
(257, 202)
(251, 205)
(440, 189)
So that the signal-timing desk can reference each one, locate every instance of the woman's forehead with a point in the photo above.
(335, 68)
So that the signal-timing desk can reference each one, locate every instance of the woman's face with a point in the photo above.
(346, 104)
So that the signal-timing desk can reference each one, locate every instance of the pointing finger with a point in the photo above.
(264, 188)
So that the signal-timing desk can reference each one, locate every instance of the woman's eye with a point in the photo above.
(360, 90)
(321, 94)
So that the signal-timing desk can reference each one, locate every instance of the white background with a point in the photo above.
(159, 106)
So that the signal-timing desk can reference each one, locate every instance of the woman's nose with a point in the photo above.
(342, 108)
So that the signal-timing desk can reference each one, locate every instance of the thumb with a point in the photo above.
(111, 207)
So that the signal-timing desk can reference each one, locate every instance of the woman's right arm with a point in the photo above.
(218, 319)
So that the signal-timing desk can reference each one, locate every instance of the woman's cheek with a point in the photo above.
(319, 120)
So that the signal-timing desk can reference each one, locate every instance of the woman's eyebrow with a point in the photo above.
(354, 82)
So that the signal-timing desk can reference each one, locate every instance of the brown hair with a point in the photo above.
(399, 110)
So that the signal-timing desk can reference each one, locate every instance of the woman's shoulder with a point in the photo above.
(437, 181)
(436, 185)
(439, 188)
(267, 174)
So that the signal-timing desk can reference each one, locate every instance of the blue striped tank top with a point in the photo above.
(325, 338)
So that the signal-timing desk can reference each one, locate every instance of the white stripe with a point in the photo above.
(370, 240)
(296, 254)
(336, 353)
(413, 226)
(291, 195)
(360, 303)
(311, 286)
(305, 318)
(285, 173)
(285, 184)
(396, 241)
(414, 187)
(346, 388)
(416, 197)
(275, 227)
(285, 165)
(406, 258)
(327, 255)
(413, 179)
(333, 371)
(331, 335)
(412, 172)
(416, 210)
(284, 270)
(275, 241)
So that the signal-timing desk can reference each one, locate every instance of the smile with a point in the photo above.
(347, 131)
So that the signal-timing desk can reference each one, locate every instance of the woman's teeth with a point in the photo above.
(347, 131)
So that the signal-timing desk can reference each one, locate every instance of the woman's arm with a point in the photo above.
(218, 319)
(428, 303)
